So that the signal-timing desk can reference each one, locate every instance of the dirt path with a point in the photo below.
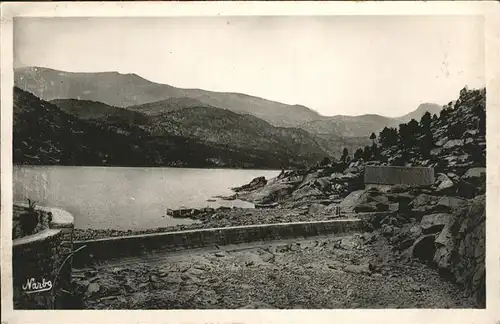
(325, 272)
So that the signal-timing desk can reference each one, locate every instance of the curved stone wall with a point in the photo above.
(37, 259)
(126, 246)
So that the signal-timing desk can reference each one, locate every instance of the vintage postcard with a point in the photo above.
(250, 162)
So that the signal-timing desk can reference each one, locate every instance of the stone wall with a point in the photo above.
(105, 249)
(37, 259)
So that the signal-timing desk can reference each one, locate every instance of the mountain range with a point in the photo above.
(151, 121)
(136, 93)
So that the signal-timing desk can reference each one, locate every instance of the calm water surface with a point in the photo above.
(128, 198)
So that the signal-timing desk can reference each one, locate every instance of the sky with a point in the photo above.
(335, 65)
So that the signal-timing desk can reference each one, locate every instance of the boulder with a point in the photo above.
(376, 197)
(448, 204)
(317, 208)
(423, 200)
(353, 170)
(444, 249)
(365, 207)
(436, 151)
(268, 194)
(254, 184)
(93, 289)
(474, 174)
(441, 142)
(443, 182)
(306, 192)
(470, 133)
(349, 176)
(349, 202)
(423, 204)
(335, 176)
(454, 177)
(434, 223)
(323, 184)
(387, 230)
(453, 143)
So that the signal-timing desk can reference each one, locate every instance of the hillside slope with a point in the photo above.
(190, 118)
(364, 125)
(93, 110)
(123, 90)
(432, 108)
(93, 133)
(214, 125)
(349, 126)
(43, 134)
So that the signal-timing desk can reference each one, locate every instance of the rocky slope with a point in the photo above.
(442, 224)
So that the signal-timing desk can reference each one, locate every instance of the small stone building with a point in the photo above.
(383, 177)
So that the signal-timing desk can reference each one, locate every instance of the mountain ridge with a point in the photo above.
(132, 91)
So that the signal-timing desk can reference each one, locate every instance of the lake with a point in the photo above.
(128, 198)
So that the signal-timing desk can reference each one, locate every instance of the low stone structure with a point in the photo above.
(37, 262)
(383, 177)
(109, 248)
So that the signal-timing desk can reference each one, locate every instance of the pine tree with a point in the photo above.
(425, 122)
(388, 137)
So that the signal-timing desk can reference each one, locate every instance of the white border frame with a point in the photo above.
(490, 11)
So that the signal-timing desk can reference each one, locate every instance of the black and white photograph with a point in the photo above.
(248, 162)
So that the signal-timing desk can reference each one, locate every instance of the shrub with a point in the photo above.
(326, 161)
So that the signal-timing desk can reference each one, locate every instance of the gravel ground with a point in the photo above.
(326, 272)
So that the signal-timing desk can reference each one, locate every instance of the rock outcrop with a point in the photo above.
(448, 233)
(443, 223)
